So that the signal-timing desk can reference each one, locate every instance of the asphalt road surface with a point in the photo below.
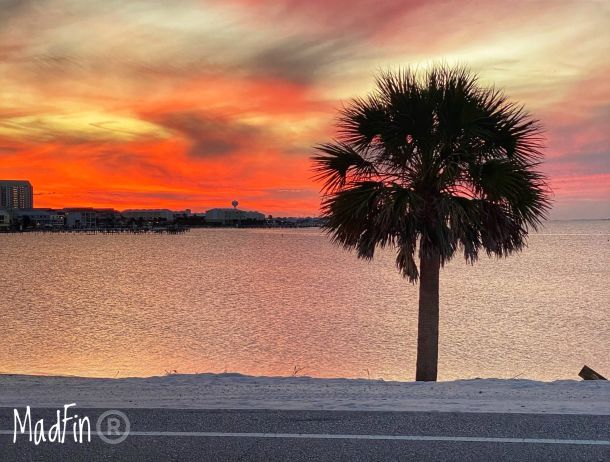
(266, 435)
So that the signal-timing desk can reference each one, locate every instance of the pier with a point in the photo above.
(155, 230)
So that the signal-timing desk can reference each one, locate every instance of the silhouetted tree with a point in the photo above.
(431, 164)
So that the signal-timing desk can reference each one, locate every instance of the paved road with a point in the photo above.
(259, 435)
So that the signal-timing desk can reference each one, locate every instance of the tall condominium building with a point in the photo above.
(16, 194)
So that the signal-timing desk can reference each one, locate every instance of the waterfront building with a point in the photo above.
(89, 217)
(150, 215)
(38, 218)
(5, 219)
(16, 194)
(182, 214)
(230, 216)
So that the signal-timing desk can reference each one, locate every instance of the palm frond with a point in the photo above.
(336, 162)
(361, 121)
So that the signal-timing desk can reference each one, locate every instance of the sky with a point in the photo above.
(193, 103)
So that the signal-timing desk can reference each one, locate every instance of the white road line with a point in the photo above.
(331, 436)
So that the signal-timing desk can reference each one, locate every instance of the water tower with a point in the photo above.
(238, 214)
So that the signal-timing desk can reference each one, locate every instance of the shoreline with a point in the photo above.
(237, 391)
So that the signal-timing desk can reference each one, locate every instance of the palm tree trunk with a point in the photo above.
(427, 328)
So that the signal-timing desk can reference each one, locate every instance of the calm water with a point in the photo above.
(264, 301)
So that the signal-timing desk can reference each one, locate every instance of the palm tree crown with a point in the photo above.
(436, 160)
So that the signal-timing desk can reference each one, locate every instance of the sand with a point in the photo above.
(235, 391)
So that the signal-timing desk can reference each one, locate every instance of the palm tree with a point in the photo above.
(431, 164)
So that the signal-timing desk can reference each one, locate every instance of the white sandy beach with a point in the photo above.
(235, 391)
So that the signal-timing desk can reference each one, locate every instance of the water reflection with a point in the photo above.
(264, 301)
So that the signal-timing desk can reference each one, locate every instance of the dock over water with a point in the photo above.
(156, 230)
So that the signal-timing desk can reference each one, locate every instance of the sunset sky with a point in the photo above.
(194, 103)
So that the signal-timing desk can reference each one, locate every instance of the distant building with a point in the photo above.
(38, 218)
(182, 213)
(153, 215)
(16, 194)
(228, 216)
(5, 219)
(89, 217)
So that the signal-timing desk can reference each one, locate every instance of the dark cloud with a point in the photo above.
(9, 9)
(210, 136)
(299, 60)
(117, 160)
(296, 59)
(9, 150)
